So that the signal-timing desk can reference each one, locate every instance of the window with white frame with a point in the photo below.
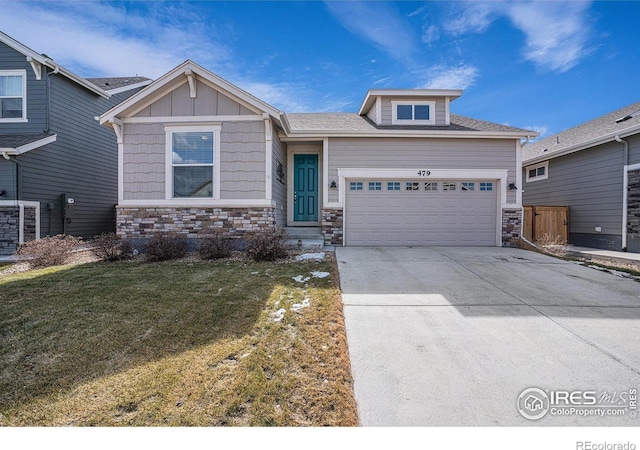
(537, 172)
(192, 161)
(486, 186)
(393, 186)
(375, 185)
(13, 95)
(413, 113)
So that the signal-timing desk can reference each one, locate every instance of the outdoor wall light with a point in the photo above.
(512, 186)
(333, 185)
(3, 193)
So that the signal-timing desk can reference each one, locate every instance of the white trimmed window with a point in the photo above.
(13, 95)
(191, 162)
(538, 172)
(413, 113)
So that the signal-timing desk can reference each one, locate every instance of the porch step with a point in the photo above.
(306, 233)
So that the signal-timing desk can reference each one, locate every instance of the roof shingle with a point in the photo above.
(582, 136)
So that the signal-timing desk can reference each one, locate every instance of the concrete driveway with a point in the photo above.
(444, 336)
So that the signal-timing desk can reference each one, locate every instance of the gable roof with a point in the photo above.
(38, 60)
(621, 122)
(188, 69)
(352, 124)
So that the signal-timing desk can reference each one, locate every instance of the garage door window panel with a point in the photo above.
(393, 186)
(449, 187)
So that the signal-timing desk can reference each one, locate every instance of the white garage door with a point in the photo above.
(435, 212)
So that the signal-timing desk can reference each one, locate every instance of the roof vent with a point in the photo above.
(628, 116)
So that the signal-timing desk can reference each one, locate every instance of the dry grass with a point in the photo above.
(173, 344)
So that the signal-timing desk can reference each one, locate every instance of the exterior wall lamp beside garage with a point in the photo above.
(512, 187)
(333, 185)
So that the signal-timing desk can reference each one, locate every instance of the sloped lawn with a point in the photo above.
(174, 344)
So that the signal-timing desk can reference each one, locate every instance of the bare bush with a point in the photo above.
(49, 251)
(111, 247)
(267, 245)
(215, 245)
(553, 244)
(166, 246)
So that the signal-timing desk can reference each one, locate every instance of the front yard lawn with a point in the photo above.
(174, 344)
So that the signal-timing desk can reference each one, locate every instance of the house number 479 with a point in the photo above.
(423, 173)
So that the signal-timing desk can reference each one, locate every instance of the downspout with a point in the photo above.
(522, 144)
(18, 175)
(625, 191)
(54, 72)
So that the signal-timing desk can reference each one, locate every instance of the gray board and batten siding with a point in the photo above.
(590, 182)
(82, 162)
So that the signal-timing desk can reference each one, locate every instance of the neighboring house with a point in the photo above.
(594, 169)
(198, 153)
(52, 148)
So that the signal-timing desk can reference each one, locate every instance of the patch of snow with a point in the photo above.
(301, 279)
(311, 257)
(298, 306)
(320, 274)
(278, 315)
(255, 273)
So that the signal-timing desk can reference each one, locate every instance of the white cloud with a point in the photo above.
(378, 23)
(471, 17)
(431, 34)
(446, 77)
(543, 130)
(556, 32)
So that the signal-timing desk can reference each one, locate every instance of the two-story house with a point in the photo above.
(198, 153)
(58, 166)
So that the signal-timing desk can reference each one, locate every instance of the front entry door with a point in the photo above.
(305, 186)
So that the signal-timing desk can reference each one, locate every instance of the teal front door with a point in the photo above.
(305, 186)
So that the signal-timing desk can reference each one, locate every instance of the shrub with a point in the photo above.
(215, 246)
(267, 245)
(110, 247)
(166, 246)
(49, 251)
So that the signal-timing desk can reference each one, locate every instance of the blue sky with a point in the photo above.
(542, 65)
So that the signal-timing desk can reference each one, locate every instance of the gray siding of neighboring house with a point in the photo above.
(279, 184)
(590, 183)
(241, 158)
(7, 179)
(415, 153)
(82, 162)
(36, 93)
(208, 102)
(387, 112)
(634, 149)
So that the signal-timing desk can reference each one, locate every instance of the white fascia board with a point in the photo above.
(204, 75)
(28, 147)
(373, 93)
(584, 145)
(40, 59)
(409, 133)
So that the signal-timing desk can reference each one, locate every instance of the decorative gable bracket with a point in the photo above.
(192, 82)
(36, 66)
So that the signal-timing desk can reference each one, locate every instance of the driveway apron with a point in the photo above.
(452, 336)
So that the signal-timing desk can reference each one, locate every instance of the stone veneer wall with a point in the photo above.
(332, 226)
(633, 203)
(134, 222)
(511, 227)
(10, 227)
(9, 233)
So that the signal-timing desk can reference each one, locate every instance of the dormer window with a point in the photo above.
(413, 113)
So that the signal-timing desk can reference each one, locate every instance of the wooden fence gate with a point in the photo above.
(552, 221)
